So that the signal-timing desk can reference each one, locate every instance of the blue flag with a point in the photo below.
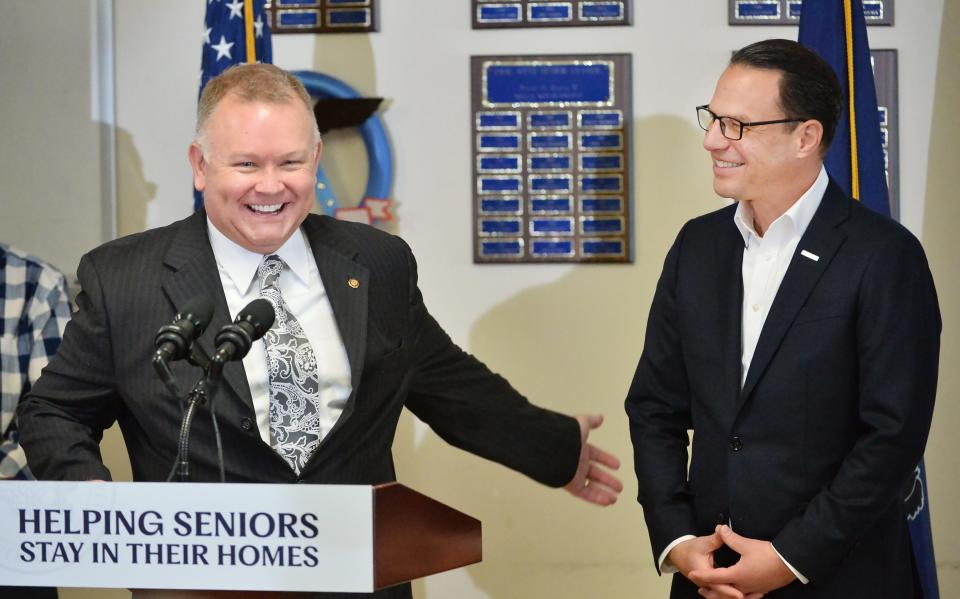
(836, 30)
(234, 32)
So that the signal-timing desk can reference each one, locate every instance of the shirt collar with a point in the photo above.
(800, 214)
(241, 264)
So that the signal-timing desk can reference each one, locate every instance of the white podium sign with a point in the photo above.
(187, 536)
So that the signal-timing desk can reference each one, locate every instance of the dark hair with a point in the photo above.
(809, 88)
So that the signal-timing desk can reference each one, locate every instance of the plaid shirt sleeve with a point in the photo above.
(36, 307)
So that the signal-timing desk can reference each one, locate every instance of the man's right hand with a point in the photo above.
(697, 554)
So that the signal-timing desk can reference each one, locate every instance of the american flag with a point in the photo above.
(234, 32)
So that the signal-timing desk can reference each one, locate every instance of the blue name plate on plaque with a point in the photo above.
(758, 9)
(349, 17)
(499, 184)
(605, 119)
(601, 162)
(558, 162)
(500, 205)
(498, 120)
(551, 226)
(551, 204)
(499, 13)
(787, 12)
(550, 141)
(575, 82)
(601, 204)
(513, 248)
(601, 11)
(550, 11)
(548, 184)
(500, 226)
(601, 226)
(549, 248)
(605, 141)
(602, 247)
(493, 142)
(551, 120)
(613, 183)
(499, 164)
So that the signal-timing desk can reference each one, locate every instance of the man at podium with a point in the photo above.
(317, 401)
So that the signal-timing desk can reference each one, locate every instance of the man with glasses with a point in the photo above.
(797, 334)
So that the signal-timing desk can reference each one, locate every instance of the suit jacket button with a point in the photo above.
(246, 424)
(736, 444)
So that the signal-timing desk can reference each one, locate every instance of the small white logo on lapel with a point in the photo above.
(807, 254)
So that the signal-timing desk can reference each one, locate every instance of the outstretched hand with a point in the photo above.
(593, 482)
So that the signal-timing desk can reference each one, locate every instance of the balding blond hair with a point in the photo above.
(250, 83)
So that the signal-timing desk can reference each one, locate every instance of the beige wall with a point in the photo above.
(567, 336)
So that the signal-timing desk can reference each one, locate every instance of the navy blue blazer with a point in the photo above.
(814, 452)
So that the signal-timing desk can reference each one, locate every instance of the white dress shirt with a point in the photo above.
(765, 262)
(303, 291)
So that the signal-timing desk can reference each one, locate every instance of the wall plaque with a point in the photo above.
(496, 14)
(787, 12)
(885, 80)
(322, 16)
(551, 158)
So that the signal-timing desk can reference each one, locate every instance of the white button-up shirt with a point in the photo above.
(305, 296)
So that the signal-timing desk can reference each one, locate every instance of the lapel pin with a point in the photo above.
(807, 254)
(353, 283)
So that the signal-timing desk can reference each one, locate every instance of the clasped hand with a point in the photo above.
(759, 570)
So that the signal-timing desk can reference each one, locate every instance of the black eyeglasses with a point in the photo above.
(730, 127)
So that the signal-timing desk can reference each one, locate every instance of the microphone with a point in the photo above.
(173, 341)
(234, 340)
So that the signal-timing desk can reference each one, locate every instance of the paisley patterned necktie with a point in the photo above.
(294, 381)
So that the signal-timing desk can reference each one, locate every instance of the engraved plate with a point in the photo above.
(298, 18)
(551, 226)
(601, 11)
(498, 121)
(493, 205)
(540, 12)
(500, 226)
(601, 225)
(551, 248)
(509, 163)
(348, 2)
(546, 163)
(883, 115)
(601, 204)
(544, 142)
(757, 10)
(576, 82)
(498, 142)
(348, 17)
(550, 183)
(600, 119)
(551, 204)
(604, 248)
(793, 9)
(872, 10)
(601, 141)
(602, 183)
(499, 184)
(502, 248)
(549, 120)
(592, 163)
(297, 3)
(499, 13)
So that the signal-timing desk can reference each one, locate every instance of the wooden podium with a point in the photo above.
(224, 540)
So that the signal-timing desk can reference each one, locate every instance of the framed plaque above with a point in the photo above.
(322, 16)
(787, 12)
(551, 158)
(498, 14)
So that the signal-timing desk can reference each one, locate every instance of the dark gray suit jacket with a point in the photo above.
(814, 452)
(399, 356)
